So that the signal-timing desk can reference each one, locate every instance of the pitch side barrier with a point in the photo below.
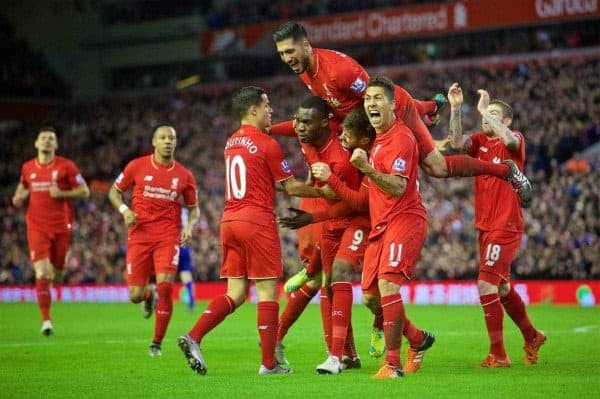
(558, 292)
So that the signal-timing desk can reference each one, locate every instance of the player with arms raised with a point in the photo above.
(158, 184)
(499, 219)
(50, 182)
(254, 164)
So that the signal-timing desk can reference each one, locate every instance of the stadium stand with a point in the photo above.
(557, 105)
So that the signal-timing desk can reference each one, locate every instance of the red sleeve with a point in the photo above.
(74, 175)
(358, 200)
(279, 167)
(126, 177)
(190, 194)
(284, 129)
(352, 76)
(339, 209)
(397, 159)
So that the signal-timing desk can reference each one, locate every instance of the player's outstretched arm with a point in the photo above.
(297, 188)
(499, 128)
(21, 194)
(116, 199)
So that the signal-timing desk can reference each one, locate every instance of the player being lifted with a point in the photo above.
(50, 182)
(158, 183)
(499, 219)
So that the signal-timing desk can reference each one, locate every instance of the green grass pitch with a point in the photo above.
(100, 351)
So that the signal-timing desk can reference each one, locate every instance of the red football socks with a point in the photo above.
(515, 308)
(297, 302)
(341, 313)
(393, 316)
(413, 334)
(163, 312)
(349, 346)
(42, 287)
(267, 320)
(467, 166)
(494, 315)
(426, 107)
(326, 317)
(215, 313)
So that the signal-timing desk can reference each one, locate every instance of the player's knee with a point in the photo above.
(370, 301)
(504, 289)
(342, 272)
(136, 294)
(486, 288)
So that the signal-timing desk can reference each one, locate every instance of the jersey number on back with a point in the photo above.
(235, 176)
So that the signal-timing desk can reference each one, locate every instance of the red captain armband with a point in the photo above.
(284, 129)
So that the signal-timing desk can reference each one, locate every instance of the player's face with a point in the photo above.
(294, 54)
(379, 108)
(309, 125)
(263, 113)
(46, 142)
(349, 139)
(496, 111)
(165, 141)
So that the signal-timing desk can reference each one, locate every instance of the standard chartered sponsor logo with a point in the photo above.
(159, 193)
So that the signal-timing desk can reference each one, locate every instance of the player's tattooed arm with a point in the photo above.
(391, 184)
(500, 129)
(458, 142)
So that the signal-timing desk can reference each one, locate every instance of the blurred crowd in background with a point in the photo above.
(556, 103)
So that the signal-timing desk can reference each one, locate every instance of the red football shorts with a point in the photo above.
(393, 255)
(146, 259)
(250, 251)
(347, 244)
(53, 246)
(497, 250)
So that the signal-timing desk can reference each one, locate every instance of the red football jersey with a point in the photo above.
(497, 205)
(338, 79)
(155, 199)
(44, 212)
(395, 152)
(254, 162)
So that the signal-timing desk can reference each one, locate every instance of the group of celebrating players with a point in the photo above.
(363, 139)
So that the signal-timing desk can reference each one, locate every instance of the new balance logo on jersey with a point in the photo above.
(148, 178)
(399, 165)
(358, 85)
(32, 176)
(285, 166)
(496, 160)
(483, 149)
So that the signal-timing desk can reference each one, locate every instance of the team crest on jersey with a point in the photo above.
(335, 103)
(483, 149)
(32, 176)
(148, 178)
(358, 85)
(496, 160)
(174, 183)
(285, 166)
(399, 165)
